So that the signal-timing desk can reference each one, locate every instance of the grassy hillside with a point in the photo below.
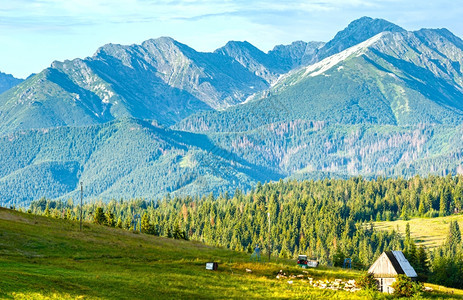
(428, 232)
(49, 258)
(44, 258)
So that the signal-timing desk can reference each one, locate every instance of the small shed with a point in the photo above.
(388, 266)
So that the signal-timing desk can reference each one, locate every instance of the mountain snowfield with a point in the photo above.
(391, 78)
(326, 64)
(156, 118)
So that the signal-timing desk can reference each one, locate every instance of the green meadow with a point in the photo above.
(429, 232)
(46, 258)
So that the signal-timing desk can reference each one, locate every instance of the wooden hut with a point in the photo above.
(388, 266)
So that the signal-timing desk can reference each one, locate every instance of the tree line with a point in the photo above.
(329, 220)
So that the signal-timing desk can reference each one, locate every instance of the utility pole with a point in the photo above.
(269, 242)
(81, 196)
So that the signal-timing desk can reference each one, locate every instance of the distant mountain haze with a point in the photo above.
(7, 81)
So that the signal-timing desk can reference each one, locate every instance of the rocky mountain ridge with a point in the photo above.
(7, 81)
(159, 117)
(161, 79)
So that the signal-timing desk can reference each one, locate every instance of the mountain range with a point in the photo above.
(7, 81)
(156, 118)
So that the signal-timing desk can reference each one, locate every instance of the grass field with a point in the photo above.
(428, 232)
(44, 258)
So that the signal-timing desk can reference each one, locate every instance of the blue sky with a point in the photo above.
(34, 33)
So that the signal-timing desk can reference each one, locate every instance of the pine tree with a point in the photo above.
(249, 249)
(68, 214)
(128, 223)
(177, 234)
(405, 213)
(119, 223)
(47, 210)
(421, 208)
(338, 258)
(428, 201)
(454, 237)
(458, 199)
(184, 236)
(457, 232)
(99, 217)
(407, 233)
(422, 261)
(145, 223)
(412, 254)
(444, 203)
(110, 219)
(284, 252)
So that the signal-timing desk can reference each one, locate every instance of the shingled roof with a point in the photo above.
(390, 264)
(395, 263)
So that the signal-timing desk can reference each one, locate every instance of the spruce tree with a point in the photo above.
(444, 204)
(119, 223)
(145, 223)
(454, 237)
(422, 261)
(421, 208)
(177, 234)
(458, 199)
(407, 233)
(47, 210)
(110, 219)
(128, 223)
(68, 214)
(457, 232)
(99, 217)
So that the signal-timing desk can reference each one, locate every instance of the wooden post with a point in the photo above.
(81, 196)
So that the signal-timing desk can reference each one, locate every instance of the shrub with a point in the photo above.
(338, 258)
(368, 282)
(404, 287)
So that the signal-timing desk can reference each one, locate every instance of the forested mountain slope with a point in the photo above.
(156, 118)
(124, 158)
(130, 158)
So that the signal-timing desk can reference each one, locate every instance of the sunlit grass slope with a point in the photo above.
(430, 232)
(44, 258)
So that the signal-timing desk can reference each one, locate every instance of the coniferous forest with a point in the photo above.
(310, 148)
(329, 220)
